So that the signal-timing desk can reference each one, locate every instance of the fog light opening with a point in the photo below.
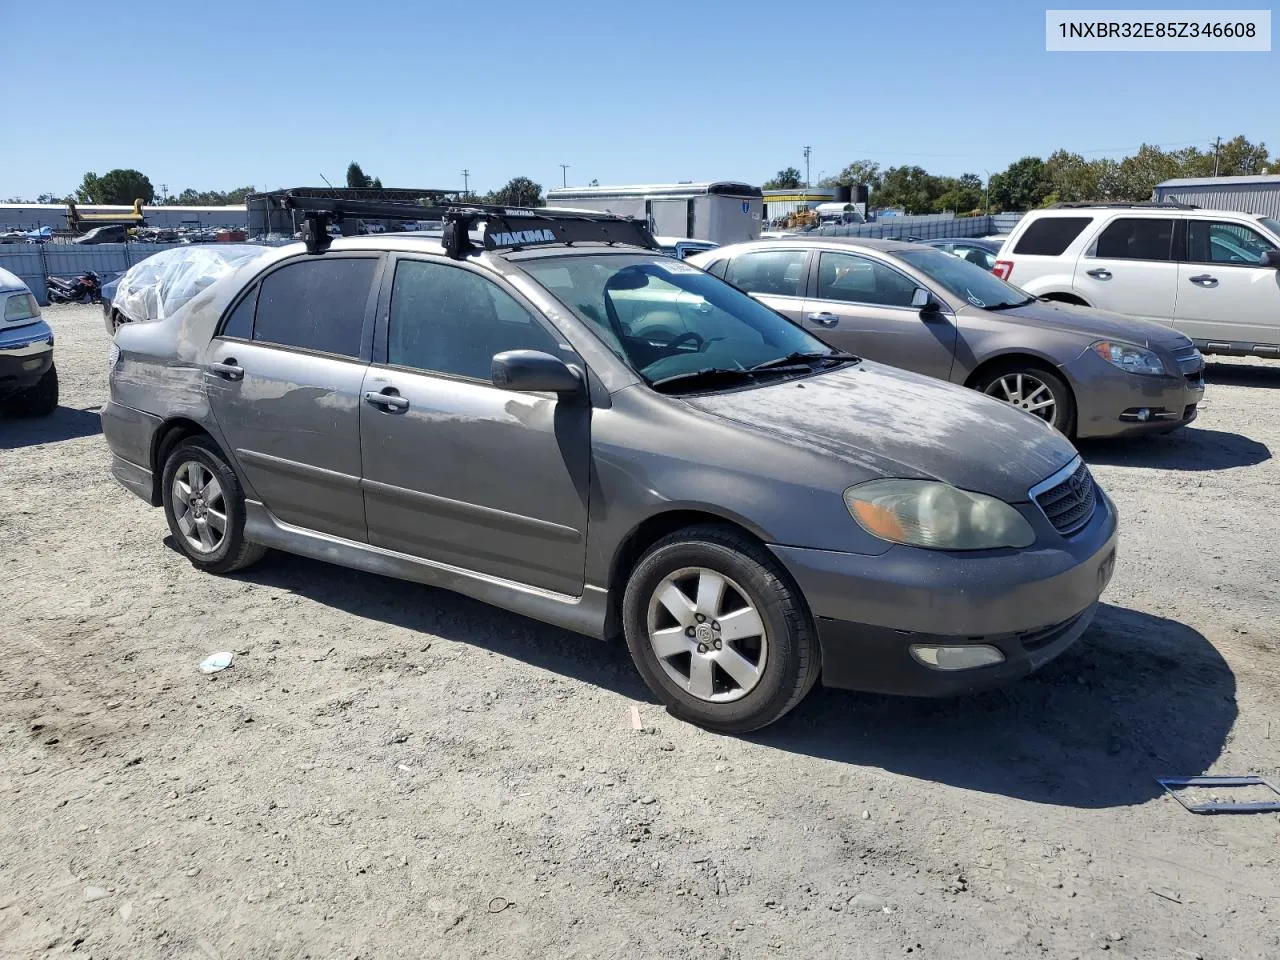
(968, 657)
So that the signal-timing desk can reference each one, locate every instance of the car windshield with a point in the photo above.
(967, 281)
(670, 321)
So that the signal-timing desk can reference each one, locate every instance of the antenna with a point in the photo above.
(326, 181)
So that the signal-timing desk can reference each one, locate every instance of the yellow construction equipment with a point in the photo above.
(77, 221)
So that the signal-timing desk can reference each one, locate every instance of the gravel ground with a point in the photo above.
(393, 771)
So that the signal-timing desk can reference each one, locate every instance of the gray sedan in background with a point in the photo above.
(610, 440)
(1088, 373)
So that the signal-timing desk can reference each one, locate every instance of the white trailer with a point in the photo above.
(722, 212)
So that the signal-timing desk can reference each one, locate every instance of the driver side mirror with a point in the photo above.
(923, 300)
(1270, 258)
(532, 371)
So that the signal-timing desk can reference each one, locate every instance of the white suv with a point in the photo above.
(1211, 274)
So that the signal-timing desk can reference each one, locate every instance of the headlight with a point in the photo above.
(925, 513)
(1129, 357)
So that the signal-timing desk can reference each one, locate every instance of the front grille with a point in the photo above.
(1069, 505)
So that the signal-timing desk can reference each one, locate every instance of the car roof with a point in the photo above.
(983, 241)
(1133, 211)
(12, 283)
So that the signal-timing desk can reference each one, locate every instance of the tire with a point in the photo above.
(198, 459)
(781, 659)
(1001, 382)
(38, 400)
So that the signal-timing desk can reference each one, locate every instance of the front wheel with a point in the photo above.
(1035, 390)
(204, 505)
(718, 631)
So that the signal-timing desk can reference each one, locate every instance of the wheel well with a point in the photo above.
(1015, 360)
(170, 434)
(1065, 298)
(641, 539)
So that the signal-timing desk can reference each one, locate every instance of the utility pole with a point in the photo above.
(1216, 144)
(564, 174)
(164, 193)
(806, 169)
(986, 195)
(466, 183)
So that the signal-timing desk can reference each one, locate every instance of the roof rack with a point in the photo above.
(504, 228)
(1158, 204)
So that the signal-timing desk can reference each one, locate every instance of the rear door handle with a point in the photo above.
(1100, 274)
(824, 319)
(1204, 280)
(388, 399)
(227, 369)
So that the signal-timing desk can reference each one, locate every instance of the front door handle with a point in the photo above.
(227, 369)
(1204, 280)
(824, 319)
(1100, 273)
(389, 399)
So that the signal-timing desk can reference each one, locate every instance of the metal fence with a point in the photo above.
(926, 227)
(32, 262)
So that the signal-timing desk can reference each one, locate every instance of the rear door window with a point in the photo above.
(1136, 238)
(1050, 236)
(778, 273)
(316, 305)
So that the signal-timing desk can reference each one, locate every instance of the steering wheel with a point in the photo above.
(689, 336)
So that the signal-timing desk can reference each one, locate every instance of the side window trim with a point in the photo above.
(382, 326)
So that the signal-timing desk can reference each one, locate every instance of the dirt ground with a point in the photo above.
(389, 770)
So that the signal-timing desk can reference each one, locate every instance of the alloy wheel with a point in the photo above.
(1027, 391)
(707, 634)
(199, 506)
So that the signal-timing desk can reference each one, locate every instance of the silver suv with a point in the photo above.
(746, 506)
(1210, 274)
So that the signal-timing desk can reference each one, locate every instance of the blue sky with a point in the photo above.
(228, 93)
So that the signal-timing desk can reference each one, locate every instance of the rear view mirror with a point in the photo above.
(532, 371)
(1271, 258)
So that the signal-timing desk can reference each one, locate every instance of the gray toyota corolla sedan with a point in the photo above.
(1089, 373)
(546, 414)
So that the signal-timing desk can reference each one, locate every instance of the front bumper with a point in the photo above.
(1108, 400)
(26, 354)
(1031, 604)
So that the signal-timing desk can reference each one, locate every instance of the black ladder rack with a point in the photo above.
(504, 228)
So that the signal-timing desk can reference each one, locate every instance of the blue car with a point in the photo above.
(28, 378)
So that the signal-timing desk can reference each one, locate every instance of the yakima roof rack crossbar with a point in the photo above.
(1120, 204)
(504, 228)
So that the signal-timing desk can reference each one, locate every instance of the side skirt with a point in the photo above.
(584, 614)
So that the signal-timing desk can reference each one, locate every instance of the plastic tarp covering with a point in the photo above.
(158, 286)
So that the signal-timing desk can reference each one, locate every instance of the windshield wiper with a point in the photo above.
(1009, 306)
(706, 373)
(802, 355)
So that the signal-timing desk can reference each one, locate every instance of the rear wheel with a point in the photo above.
(1035, 390)
(717, 630)
(38, 400)
(204, 505)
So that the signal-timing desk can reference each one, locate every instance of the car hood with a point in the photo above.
(891, 423)
(1095, 324)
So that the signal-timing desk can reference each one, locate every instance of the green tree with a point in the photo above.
(518, 192)
(376, 183)
(1023, 186)
(912, 188)
(1239, 158)
(1071, 178)
(115, 186)
(860, 171)
(356, 179)
(788, 179)
(959, 195)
